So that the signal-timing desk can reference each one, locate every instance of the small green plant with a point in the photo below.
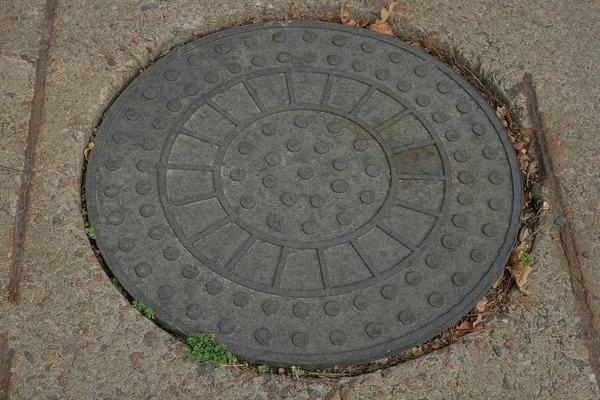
(526, 259)
(203, 348)
(89, 230)
(297, 371)
(117, 285)
(143, 309)
(87, 227)
(263, 369)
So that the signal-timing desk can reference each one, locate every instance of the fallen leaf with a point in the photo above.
(345, 16)
(480, 306)
(498, 281)
(478, 321)
(520, 272)
(501, 112)
(381, 25)
(364, 22)
(431, 49)
(86, 152)
(464, 326)
(524, 233)
(416, 352)
(382, 28)
(533, 168)
(519, 146)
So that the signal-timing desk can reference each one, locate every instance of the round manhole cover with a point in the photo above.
(313, 194)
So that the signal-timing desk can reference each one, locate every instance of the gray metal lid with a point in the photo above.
(313, 194)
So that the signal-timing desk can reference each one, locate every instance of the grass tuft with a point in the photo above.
(203, 348)
(143, 309)
(526, 259)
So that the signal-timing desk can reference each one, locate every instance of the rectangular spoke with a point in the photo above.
(324, 269)
(194, 199)
(280, 266)
(417, 208)
(199, 136)
(328, 87)
(393, 120)
(363, 100)
(420, 177)
(290, 86)
(210, 229)
(188, 167)
(224, 112)
(241, 252)
(365, 259)
(391, 232)
(254, 95)
(413, 146)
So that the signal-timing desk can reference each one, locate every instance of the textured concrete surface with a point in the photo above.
(19, 42)
(75, 337)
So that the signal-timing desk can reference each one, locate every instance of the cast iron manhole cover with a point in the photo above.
(313, 194)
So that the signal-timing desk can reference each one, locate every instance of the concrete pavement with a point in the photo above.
(70, 334)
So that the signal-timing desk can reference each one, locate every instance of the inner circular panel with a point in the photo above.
(312, 177)
(313, 194)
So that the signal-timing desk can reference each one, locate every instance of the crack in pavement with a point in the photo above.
(590, 333)
(35, 125)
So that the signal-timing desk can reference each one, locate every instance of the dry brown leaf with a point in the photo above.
(381, 25)
(464, 326)
(478, 321)
(416, 352)
(501, 112)
(520, 272)
(364, 22)
(480, 306)
(519, 146)
(345, 16)
(382, 28)
(498, 281)
(524, 233)
(533, 168)
(431, 49)
(385, 14)
(86, 152)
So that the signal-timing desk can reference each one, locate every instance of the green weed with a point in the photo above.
(526, 259)
(118, 286)
(143, 309)
(89, 230)
(87, 227)
(263, 369)
(203, 348)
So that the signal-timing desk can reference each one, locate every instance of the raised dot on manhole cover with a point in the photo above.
(312, 194)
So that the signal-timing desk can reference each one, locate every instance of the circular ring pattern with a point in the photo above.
(328, 192)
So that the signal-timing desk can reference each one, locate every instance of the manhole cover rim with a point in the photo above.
(321, 360)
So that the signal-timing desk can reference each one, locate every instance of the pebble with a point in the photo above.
(497, 350)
